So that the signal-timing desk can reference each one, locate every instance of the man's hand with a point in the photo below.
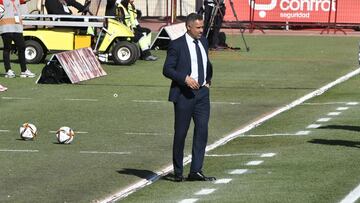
(193, 84)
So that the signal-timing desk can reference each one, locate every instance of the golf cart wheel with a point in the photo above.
(34, 52)
(124, 53)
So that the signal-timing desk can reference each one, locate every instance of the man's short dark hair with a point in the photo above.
(193, 17)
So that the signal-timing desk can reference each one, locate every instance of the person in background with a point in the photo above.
(110, 8)
(11, 29)
(128, 15)
(187, 65)
(61, 7)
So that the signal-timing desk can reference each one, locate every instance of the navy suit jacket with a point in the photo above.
(178, 65)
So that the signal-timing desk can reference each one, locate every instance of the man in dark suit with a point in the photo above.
(61, 7)
(187, 65)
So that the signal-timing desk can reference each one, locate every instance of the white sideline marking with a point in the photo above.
(205, 191)
(313, 126)
(163, 101)
(96, 152)
(342, 108)
(270, 135)
(238, 171)
(304, 132)
(229, 155)
(352, 196)
(4, 131)
(189, 200)
(330, 103)
(91, 100)
(268, 155)
(223, 181)
(144, 133)
(254, 163)
(14, 98)
(352, 103)
(76, 132)
(239, 133)
(18, 150)
(323, 119)
(334, 113)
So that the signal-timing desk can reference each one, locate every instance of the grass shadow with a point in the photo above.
(345, 143)
(341, 127)
(145, 174)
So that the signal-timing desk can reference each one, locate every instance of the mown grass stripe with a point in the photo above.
(239, 133)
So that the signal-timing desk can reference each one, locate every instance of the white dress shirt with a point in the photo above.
(193, 56)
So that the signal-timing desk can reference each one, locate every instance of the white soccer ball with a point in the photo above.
(28, 131)
(2, 11)
(65, 135)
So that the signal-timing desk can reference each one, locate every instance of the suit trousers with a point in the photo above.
(198, 109)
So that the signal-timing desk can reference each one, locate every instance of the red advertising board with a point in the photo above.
(298, 11)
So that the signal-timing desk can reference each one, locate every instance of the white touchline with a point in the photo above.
(352, 103)
(205, 191)
(18, 150)
(330, 103)
(76, 132)
(223, 181)
(91, 100)
(145, 133)
(305, 132)
(334, 113)
(352, 196)
(4, 131)
(238, 171)
(270, 135)
(230, 155)
(313, 126)
(268, 155)
(15, 98)
(96, 152)
(342, 108)
(163, 101)
(192, 200)
(239, 133)
(254, 163)
(323, 119)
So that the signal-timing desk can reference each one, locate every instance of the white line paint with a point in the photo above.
(145, 133)
(342, 108)
(16, 98)
(267, 155)
(4, 131)
(192, 200)
(303, 132)
(323, 119)
(90, 100)
(334, 113)
(230, 155)
(331, 103)
(96, 152)
(223, 181)
(270, 135)
(313, 126)
(239, 133)
(18, 150)
(238, 171)
(76, 132)
(205, 191)
(254, 163)
(352, 103)
(352, 196)
(163, 101)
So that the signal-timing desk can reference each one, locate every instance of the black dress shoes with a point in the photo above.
(199, 176)
(179, 178)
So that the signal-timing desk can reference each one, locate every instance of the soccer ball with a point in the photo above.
(28, 131)
(2, 10)
(65, 135)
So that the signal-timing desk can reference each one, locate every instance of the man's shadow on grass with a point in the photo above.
(341, 127)
(144, 174)
(345, 143)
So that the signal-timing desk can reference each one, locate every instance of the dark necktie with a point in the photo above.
(200, 63)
